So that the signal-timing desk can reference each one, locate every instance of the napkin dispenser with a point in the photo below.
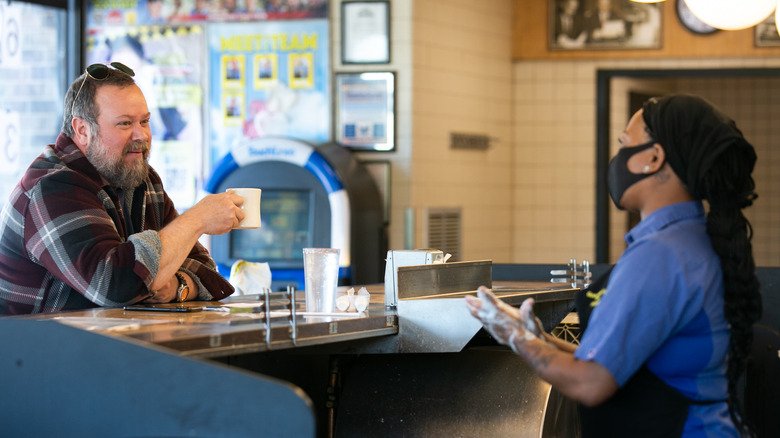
(398, 258)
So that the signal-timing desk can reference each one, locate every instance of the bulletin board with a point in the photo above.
(269, 79)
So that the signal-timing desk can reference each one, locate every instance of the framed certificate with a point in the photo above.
(365, 110)
(365, 32)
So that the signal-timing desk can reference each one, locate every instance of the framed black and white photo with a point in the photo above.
(365, 32)
(365, 110)
(604, 24)
(766, 34)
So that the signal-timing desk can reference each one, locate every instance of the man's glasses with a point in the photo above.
(99, 72)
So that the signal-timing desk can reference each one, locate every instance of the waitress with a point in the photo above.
(667, 333)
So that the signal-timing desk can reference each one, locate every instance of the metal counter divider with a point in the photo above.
(443, 375)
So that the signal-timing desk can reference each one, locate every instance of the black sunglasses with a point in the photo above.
(99, 72)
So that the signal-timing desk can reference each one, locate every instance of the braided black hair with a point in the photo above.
(709, 153)
(728, 188)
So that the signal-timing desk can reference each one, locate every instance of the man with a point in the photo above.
(604, 24)
(569, 25)
(90, 225)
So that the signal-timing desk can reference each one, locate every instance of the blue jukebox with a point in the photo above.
(311, 197)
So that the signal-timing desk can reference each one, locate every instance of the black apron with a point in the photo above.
(644, 407)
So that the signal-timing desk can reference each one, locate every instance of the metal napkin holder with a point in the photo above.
(578, 275)
(432, 280)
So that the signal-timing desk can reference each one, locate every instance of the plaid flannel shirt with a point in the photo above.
(64, 243)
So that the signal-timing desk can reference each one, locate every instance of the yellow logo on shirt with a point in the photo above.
(595, 297)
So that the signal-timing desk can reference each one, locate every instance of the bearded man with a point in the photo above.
(90, 225)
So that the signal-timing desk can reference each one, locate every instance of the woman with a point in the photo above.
(666, 340)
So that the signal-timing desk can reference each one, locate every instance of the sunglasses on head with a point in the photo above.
(99, 72)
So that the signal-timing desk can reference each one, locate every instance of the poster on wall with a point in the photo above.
(10, 142)
(160, 12)
(10, 35)
(365, 110)
(167, 61)
(32, 56)
(268, 79)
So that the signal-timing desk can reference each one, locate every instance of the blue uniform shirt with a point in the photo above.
(663, 306)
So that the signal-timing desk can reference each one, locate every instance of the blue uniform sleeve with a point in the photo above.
(647, 299)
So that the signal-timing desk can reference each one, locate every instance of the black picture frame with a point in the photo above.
(380, 170)
(765, 33)
(365, 32)
(365, 110)
(627, 25)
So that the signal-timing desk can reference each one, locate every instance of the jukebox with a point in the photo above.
(312, 196)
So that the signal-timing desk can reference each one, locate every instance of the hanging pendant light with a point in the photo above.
(777, 18)
(731, 14)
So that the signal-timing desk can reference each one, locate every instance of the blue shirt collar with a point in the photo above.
(664, 217)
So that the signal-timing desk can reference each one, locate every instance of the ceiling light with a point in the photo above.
(731, 14)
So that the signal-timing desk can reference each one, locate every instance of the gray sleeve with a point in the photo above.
(148, 250)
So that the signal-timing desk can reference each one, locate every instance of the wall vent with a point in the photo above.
(442, 230)
(469, 141)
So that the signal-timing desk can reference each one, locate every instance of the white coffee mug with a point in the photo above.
(251, 207)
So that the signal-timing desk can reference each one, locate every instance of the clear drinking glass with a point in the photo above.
(321, 276)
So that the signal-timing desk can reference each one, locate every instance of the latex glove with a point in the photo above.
(508, 325)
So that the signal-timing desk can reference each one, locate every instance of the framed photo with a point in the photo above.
(233, 109)
(233, 71)
(365, 110)
(300, 70)
(266, 70)
(766, 33)
(365, 32)
(604, 24)
(380, 172)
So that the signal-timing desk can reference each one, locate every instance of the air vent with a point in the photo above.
(442, 228)
(469, 141)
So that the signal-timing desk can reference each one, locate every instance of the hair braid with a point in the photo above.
(729, 187)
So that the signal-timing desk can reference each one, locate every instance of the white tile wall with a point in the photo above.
(462, 83)
(530, 198)
(544, 225)
(752, 104)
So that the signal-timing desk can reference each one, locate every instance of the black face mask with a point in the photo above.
(619, 178)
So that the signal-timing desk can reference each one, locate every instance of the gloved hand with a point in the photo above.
(508, 325)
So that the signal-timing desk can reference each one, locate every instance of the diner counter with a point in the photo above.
(240, 325)
(281, 372)
(215, 333)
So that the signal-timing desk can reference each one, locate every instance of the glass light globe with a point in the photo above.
(777, 19)
(731, 14)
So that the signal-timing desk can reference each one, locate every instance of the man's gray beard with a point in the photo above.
(126, 177)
